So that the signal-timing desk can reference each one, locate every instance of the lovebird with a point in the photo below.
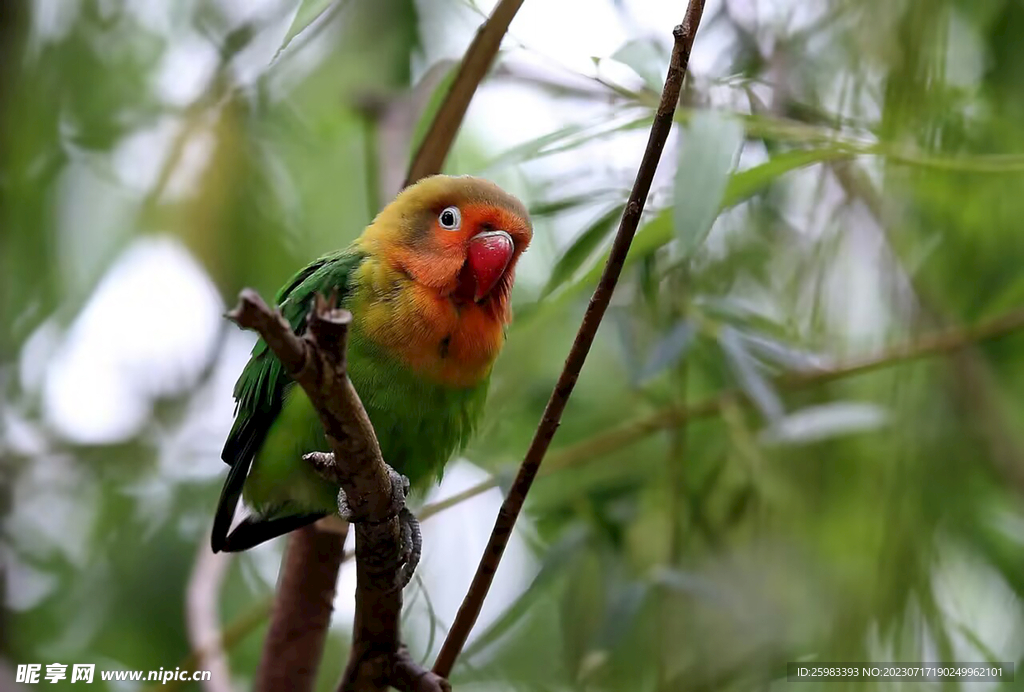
(428, 284)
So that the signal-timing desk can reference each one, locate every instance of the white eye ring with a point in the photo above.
(450, 219)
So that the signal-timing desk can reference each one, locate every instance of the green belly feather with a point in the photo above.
(419, 425)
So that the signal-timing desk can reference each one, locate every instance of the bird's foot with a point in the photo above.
(323, 464)
(411, 546)
(344, 510)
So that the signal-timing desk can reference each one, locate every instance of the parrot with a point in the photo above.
(428, 284)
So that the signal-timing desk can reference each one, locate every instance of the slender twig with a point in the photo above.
(202, 616)
(938, 344)
(971, 383)
(513, 504)
(437, 142)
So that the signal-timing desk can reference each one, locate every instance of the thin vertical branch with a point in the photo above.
(479, 56)
(203, 622)
(302, 611)
(513, 504)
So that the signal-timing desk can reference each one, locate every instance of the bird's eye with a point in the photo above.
(450, 219)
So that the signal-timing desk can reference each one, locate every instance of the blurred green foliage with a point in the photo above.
(866, 158)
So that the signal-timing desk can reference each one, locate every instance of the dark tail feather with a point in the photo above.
(227, 503)
(253, 530)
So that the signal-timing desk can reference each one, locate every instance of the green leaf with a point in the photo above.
(557, 206)
(747, 372)
(711, 144)
(643, 57)
(582, 248)
(817, 423)
(746, 184)
(669, 350)
(691, 584)
(741, 186)
(570, 137)
(309, 12)
(782, 354)
(624, 603)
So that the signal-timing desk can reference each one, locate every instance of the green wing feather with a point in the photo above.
(261, 389)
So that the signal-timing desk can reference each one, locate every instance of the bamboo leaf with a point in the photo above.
(560, 555)
(553, 207)
(570, 137)
(711, 144)
(643, 57)
(669, 350)
(309, 11)
(816, 423)
(582, 248)
(747, 372)
(784, 355)
(743, 185)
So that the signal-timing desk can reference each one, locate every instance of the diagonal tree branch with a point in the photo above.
(316, 361)
(295, 593)
(939, 343)
(513, 504)
(479, 56)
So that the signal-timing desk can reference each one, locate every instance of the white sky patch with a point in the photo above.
(241, 11)
(976, 599)
(139, 157)
(505, 115)
(147, 330)
(186, 69)
(192, 452)
(53, 508)
(53, 19)
(26, 585)
(155, 16)
(559, 30)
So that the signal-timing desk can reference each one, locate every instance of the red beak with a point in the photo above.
(488, 255)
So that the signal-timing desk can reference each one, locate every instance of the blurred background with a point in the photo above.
(756, 466)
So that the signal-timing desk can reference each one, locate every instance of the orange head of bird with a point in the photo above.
(459, 235)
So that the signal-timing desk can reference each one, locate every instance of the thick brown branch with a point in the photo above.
(513, 504)
(376, 656)
(316, 361)
(252, 313)
(406, 674)
(301, 613)
(438, 141)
